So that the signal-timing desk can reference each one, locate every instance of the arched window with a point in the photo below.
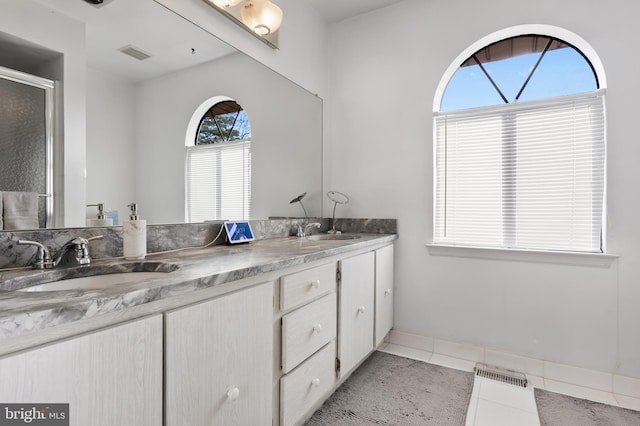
(218, 164)
(520, 148)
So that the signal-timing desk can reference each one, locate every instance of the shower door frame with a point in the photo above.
(48, 86)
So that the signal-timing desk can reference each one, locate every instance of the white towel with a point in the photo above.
(20, 210)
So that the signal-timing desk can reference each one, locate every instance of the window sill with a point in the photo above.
(559, 257)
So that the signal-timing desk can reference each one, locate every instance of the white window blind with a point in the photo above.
(218, 181)
(522, 176)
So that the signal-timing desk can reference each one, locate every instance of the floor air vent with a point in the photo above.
(499, 374)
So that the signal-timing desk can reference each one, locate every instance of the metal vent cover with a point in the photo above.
(500, 374)
(135, 52)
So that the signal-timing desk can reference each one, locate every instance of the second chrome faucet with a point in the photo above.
(75, 252)
(303, 232)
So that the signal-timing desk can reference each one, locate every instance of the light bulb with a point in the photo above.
(225, 4)
(261, 16)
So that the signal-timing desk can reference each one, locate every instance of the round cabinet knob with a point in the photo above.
(361, 309)
(315, 382)
(233, 394)
(317, 328)
(387, 292)
(315, 284)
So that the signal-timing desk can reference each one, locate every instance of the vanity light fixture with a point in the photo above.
(262, 18)
(226, 3)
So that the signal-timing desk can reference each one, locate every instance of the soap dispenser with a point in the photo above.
(101, 219)
(134, 235)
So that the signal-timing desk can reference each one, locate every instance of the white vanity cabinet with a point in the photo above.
(333, 316)
(308, 300)
(356, 310)
(219, 360)
(266, 350)
(384, 293)
(109, 377)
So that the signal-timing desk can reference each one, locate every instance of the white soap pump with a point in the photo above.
(134, 235)
(101, 219)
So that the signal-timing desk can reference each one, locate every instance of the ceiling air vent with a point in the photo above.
(135, 52)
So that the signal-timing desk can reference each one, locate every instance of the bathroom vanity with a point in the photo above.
(257, 334)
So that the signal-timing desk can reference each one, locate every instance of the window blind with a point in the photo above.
(218, 181)
(522, 176)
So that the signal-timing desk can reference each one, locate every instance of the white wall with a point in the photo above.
(302, 55)
(111, 162)
(383, 71)
(56, 32)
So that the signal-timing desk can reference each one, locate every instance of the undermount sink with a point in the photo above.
(94, 282)
(318, 237)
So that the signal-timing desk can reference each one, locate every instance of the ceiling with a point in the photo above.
(171, 42)
(339, 10)
(182, 46)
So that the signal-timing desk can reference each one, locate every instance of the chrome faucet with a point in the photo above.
(304, 232)
(74, 252)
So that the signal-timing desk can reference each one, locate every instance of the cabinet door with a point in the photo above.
(111, 377)
(219, 361)
(355, 329)
(384, 293)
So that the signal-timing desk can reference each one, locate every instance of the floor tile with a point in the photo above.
(514, 362)
(579, 376)
(626, 386)
(406, 352)
(447, 361)
(458, 350)
(491, 413)
(628, 402)
(411, 340)
(496, 404)
(473, 404)
(580, 392)
(512, 396)
(535, 381)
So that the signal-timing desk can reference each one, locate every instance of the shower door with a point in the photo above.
(26, 143)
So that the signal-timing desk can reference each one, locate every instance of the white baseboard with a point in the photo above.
(411, 340)
(553, 371)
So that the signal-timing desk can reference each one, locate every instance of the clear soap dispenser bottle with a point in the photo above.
(134, 235)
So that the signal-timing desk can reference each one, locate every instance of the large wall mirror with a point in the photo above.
(130, 76)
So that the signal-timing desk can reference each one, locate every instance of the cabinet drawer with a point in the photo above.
(304, 286)
(307, 329)
(304, 387)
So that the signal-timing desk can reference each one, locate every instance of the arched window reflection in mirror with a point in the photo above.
(218, 164)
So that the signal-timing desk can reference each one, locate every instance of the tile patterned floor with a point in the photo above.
(497, 404)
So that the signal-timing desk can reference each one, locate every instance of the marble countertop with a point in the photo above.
(186, 271)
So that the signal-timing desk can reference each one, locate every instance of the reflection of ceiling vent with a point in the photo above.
(135, 52)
